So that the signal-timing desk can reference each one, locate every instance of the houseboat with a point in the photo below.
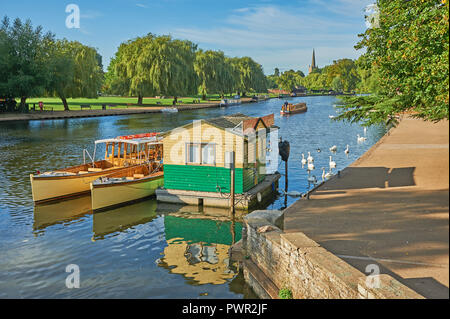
(71, 181)
(132, 183)
(196, 169)
(289, 108)
(230, 102)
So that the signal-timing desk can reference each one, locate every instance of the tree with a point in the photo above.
(288, 80)
(346, 70)
(215, 75)
(251, 77)
(75, 71)
(24, 59)
(155, 65)
(407, 45)
(276, 72)
(337, 84)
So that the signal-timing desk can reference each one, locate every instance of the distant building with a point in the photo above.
(313, 65)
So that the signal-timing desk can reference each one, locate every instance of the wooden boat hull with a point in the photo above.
(119, 193)
(298, 108)
(50, 188)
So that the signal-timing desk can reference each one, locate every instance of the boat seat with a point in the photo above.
(83, 172)
(138, 175)
(94, 169)
(130, 178)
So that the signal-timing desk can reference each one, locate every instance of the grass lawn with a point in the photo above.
(96, 104)
(121, 102)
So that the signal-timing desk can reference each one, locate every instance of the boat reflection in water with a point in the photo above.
(122, 218)
(198, 244)
(61, 212)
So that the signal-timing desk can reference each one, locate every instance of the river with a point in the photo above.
(144, 250)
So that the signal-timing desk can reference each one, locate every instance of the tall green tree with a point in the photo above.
(156, 65)
(24, 59)
(251, 76)
(215, 75)
(75, 71)
(408, 45)
(288, 80)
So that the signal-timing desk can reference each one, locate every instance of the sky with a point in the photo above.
(274, 33)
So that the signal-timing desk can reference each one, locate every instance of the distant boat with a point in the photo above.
(169, 110)
(293, 108)
(229, 102)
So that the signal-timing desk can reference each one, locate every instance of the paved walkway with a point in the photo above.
(390, 208)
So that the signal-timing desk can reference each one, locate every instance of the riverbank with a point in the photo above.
(389, 208)
(53, 115)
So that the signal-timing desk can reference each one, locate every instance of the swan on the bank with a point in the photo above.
(325, 175)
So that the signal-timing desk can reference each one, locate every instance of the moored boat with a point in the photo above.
(120, 153)
(289, 108)
(130, 184)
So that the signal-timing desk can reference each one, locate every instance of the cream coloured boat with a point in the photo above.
(129, 184)
(121, 152)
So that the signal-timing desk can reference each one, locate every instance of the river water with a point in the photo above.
(144, 250)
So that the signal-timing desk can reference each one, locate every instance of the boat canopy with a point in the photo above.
(136, 139)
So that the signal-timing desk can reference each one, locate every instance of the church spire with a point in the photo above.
(313, 62)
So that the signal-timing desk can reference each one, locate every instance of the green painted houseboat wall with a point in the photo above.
(207, 178)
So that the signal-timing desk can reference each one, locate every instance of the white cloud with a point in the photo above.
(279, 37)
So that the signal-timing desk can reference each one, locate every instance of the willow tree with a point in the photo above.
(215, 75)
(155, 65)
(24, 59)
(408, 46)
(75, 71)
(251, 75)
(288, 80)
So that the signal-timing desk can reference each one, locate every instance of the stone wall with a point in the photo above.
(275, 260)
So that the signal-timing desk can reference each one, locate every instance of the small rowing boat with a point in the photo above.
(289, 108)
(120, 152)
(130, 184)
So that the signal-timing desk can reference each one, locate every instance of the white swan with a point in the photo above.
(333, 148)
(347, 150)
(303, 159)
(332, 163)
(325, 175)
(310, 158)
(331, 116)
(361, 138)
(365, 130)
(310, 166)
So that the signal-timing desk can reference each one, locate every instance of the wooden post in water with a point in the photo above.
(230, 159)
(285, 182)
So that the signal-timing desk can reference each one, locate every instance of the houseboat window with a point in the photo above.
(193, 153)
(208, 154)
(201, 153)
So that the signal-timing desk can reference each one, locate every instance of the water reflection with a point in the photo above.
(122, 218)
(62, 212)
(199, 242)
